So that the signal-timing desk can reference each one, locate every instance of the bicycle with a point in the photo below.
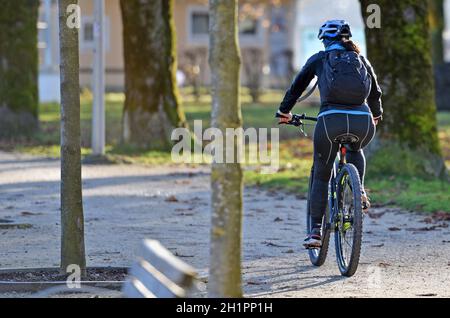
(344, 213)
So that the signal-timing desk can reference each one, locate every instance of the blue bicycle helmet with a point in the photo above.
(335, 29)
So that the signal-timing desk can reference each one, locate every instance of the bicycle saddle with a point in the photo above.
(346, 139)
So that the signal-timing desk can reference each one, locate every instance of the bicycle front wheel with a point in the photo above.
(348, 235)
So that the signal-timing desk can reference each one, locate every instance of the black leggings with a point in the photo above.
(328, 128)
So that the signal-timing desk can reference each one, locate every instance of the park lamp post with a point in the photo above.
(98, 80)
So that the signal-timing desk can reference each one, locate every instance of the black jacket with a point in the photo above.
(314, 67)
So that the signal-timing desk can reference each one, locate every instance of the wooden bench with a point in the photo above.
(159, 274)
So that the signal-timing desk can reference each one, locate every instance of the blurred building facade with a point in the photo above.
(447, 30)
(276, 38)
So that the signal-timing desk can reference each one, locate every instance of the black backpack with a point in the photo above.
(346, 77)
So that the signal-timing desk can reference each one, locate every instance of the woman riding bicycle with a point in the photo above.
(350, 106)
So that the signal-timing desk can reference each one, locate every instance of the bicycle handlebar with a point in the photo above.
(297, 120)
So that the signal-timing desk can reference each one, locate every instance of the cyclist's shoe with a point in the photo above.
(365, 202)
(314, 239)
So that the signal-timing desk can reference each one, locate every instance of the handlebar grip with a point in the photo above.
(297, 118)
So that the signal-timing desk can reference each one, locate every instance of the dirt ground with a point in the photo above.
(404, 254)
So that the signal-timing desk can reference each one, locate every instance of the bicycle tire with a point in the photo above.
(349, 265)
(317, 256)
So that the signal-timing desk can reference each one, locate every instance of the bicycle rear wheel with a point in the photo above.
(317, 255)
(348, 235)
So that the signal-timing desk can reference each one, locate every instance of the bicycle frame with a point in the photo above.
(333, 208)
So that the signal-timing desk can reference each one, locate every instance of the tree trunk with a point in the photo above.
(400, 52)
(152, 108)
(226, 179)
(72, 220)
(441, 70)
(253, 67)
(18, 68)
(437, 26)
(442, 77)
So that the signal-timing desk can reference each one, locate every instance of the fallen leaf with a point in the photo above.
(376, 215)
(428, 220)
(183, 182)
(254, 283)
(26, 213)
(441, 216)
(184, 256)
(185, 214)
(257, 210)
(394, 229)
(427, 295)
(172, 198)
(278, 220)
(272, 244)
(93, 220)
(380, 245)
(428, 228)
(289, 252)
(384, 265)
(183, 210)
(15, 226)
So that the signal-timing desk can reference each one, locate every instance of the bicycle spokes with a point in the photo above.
(346, 219)
(348, 233)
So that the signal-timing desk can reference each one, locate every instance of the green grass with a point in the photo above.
(411, 193)
(46, 141)
(295, 151)
(295, 167)
(444, 134)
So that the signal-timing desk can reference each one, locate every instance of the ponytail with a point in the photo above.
(349, 45)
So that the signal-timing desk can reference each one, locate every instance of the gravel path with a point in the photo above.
(403, 254)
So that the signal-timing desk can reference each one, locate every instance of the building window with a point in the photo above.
(197, 25)
(88, 32)
(200, 23)
(248, 26)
